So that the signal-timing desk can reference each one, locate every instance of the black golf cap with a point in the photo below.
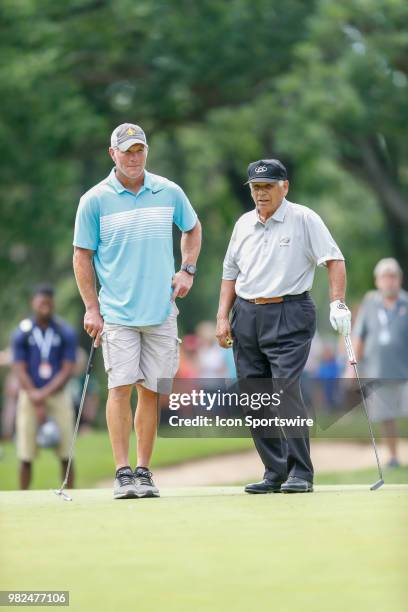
(266, 171)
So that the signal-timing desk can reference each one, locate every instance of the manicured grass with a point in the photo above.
(94, 461)
(369, 476)
(352, 425)
(94, 458)
(340, 548)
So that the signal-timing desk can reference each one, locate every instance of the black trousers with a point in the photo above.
(273, 341)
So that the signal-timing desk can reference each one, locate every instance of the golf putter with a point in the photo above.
(61, 491)
(353, 362)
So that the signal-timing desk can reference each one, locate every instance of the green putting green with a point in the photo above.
(342, 548)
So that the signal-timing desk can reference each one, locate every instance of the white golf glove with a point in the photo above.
(340, 317)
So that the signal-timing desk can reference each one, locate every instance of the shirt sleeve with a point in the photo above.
(19, 346)
(86, 233)
(321, 246)
(230, 268)
(360, 327)
(184, 215)
(70, 345)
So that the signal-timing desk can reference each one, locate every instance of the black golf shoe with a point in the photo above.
(125, 483)
(145, 486)
(296, 485)
(265, 486)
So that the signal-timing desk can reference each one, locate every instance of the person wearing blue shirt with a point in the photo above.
(123, 232)
(44, 353)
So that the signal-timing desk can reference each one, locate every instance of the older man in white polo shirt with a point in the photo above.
(268, 273)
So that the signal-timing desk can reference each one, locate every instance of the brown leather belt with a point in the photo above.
(278, 300)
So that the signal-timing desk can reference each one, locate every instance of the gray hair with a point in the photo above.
(388, 265)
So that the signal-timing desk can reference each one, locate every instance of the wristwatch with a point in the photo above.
(189, 268)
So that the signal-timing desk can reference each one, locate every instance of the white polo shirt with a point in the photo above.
(278, 257)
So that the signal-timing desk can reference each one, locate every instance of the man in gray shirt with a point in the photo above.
(268, 273)
(381, 342)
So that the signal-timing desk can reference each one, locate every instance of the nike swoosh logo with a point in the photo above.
(157, 191)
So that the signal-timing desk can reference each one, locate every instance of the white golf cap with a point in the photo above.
(388, 265)
(126, 135)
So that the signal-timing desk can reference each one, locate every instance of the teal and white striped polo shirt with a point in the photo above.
(131, 235)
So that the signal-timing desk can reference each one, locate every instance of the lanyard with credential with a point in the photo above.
(384, 337)
(44, 344)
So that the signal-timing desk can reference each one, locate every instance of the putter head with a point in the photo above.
(62, 494)
(377, 485)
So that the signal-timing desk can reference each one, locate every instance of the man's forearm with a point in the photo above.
(227, 298)
(337, 279)
(23, 377)
(190, 245)
(85, 278)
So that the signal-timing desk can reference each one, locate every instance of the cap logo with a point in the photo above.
(260, 169)
(130, 131)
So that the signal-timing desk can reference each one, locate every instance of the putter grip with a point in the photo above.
(350, 350)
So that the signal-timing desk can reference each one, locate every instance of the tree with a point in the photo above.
(351, 78)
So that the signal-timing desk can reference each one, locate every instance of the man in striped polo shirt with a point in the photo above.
(124, 228)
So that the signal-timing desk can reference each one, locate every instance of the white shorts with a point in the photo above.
(142, 354)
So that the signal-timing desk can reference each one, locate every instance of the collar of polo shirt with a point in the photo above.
(278, 215)
(117, 185)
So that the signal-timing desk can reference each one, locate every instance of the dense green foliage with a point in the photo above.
(320, 84)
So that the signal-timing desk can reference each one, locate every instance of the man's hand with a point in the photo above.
(93, 324)
(223, 332)
(340, 317)
(182, 283)
(37, 396)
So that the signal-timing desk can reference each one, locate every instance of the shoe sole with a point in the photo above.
(296, 490)
(128, 495)
(263, 492)
(148, 494)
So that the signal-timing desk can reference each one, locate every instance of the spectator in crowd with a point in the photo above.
(328, 373)
(9, 396)
(188, 367)
(212, 362)
(44, 351)
(381, 341)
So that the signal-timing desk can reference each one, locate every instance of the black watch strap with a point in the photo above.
(189, 268)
